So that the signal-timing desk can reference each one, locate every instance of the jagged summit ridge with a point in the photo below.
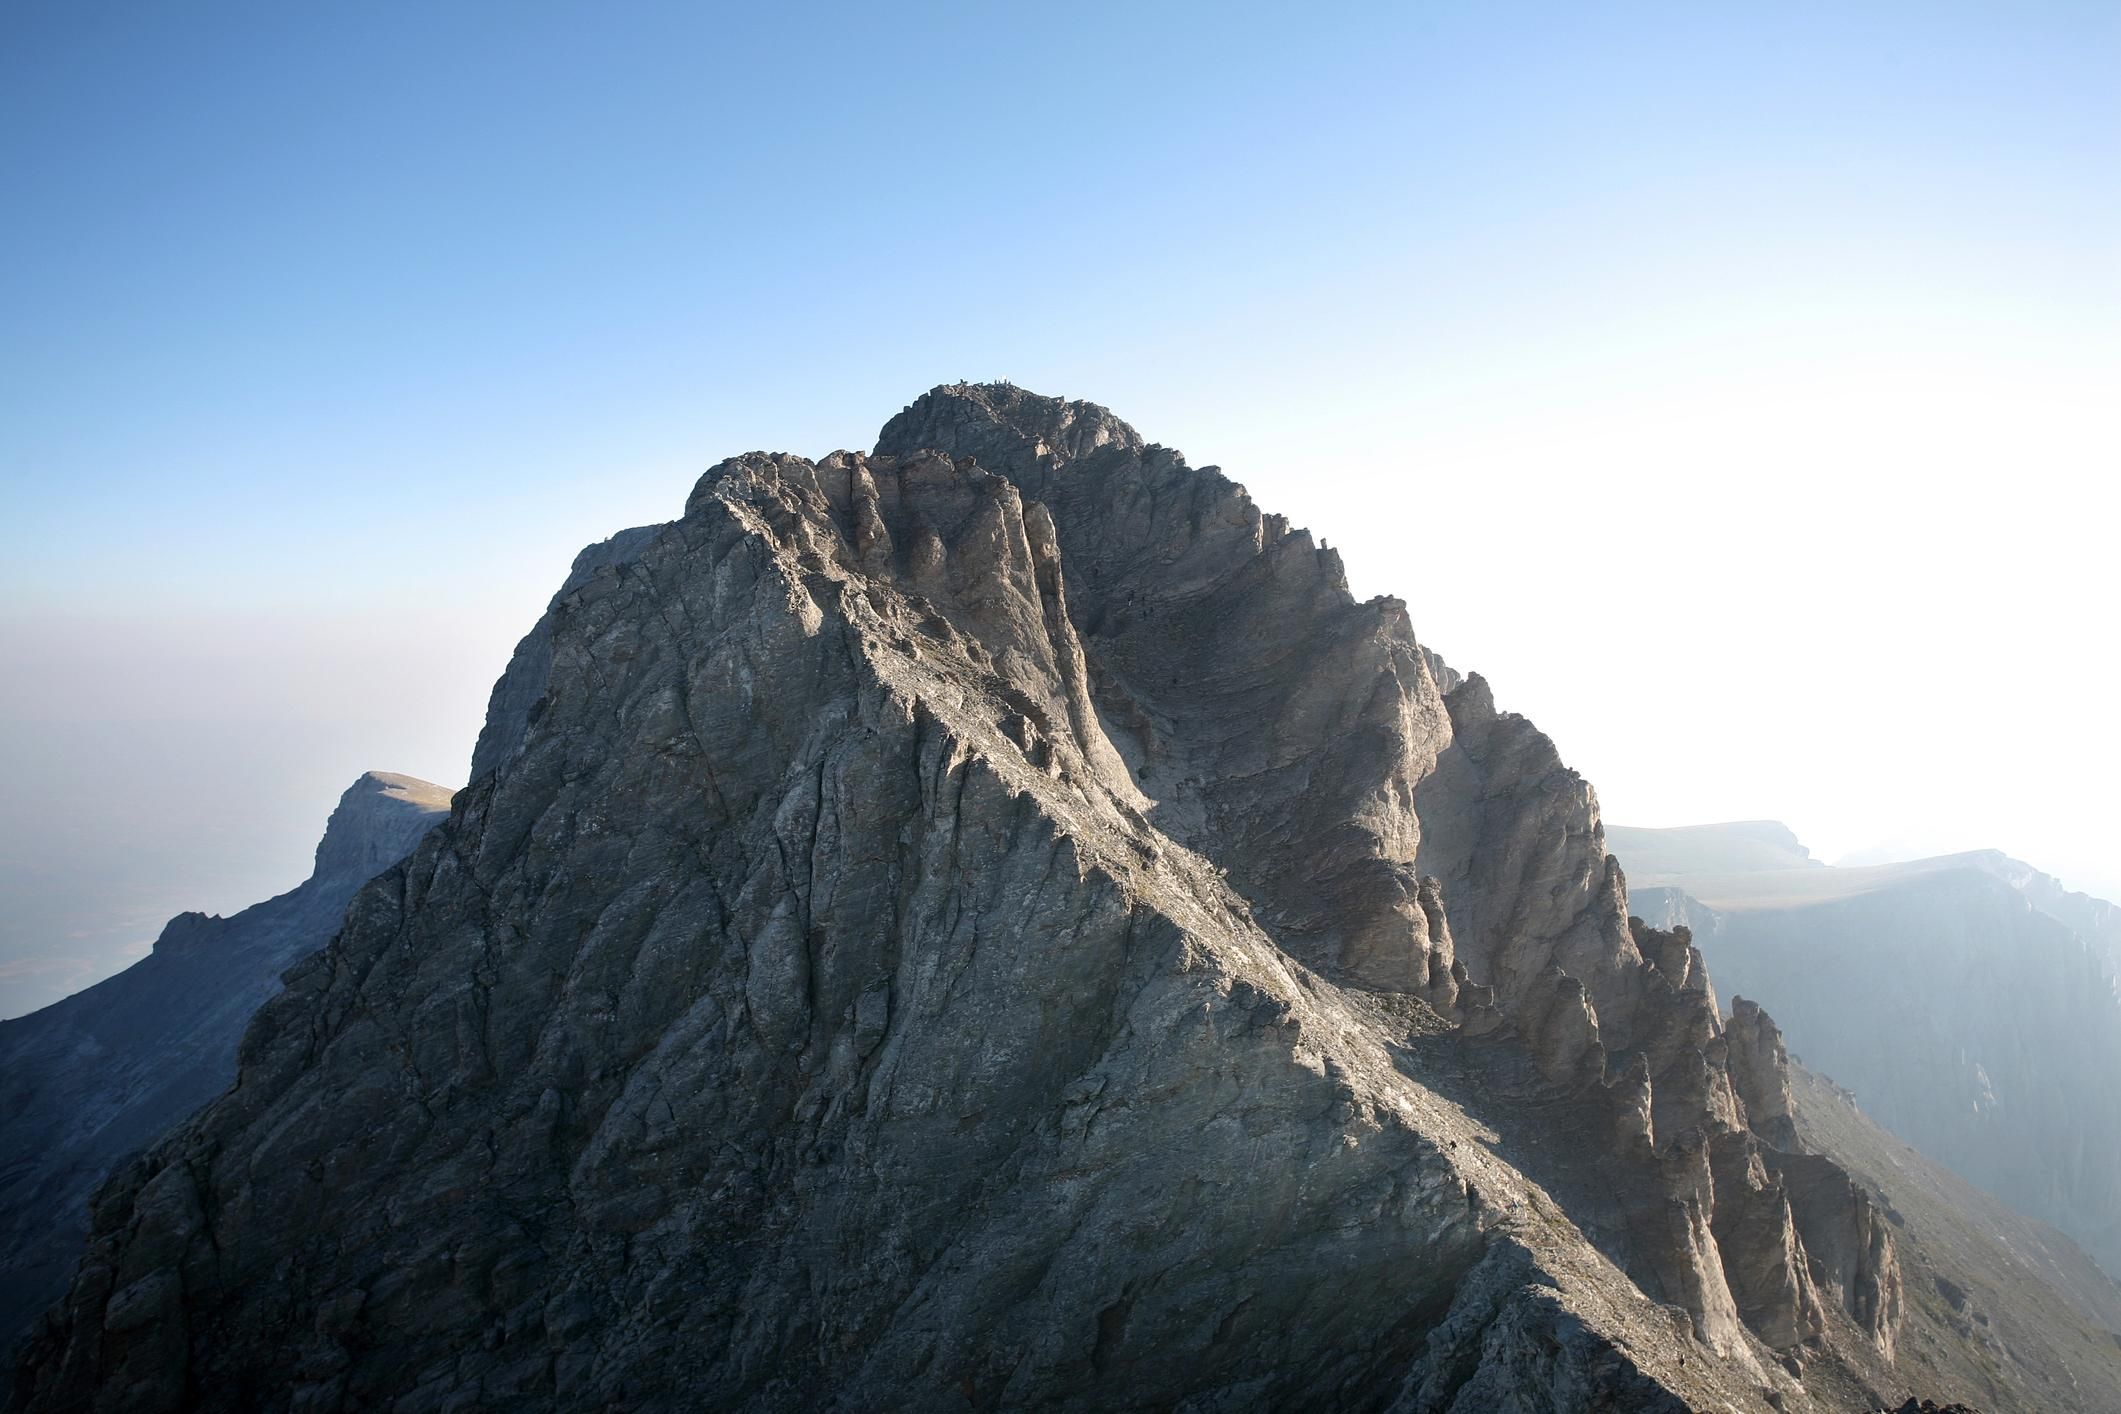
(990, 921)
(1183, 586)
(964, 419)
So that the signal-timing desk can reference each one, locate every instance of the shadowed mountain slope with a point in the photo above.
(88, 1080)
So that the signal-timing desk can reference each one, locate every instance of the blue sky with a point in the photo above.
(1732, 345)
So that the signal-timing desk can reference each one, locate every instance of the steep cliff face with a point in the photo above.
(990, 923)
(1952, 996)
(89, 1080)
(2094, 920)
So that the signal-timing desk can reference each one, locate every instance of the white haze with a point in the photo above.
(1862, 581)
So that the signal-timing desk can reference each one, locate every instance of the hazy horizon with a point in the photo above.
(1734, 392)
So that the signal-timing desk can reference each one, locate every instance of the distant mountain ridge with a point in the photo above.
(1968, 1000)
(90, 1079)
(1738, 847)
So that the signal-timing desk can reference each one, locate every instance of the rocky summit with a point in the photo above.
(993, 924)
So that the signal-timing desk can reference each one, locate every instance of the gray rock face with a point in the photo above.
(529, 672)
(1760, 1069)
(990, 923)
(89, 1080)
(1957, 997)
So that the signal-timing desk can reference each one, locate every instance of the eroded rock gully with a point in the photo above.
(989, 923)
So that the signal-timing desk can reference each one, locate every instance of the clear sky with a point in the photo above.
(1735, 385)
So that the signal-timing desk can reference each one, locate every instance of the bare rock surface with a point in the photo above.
(990, 924)
(1969, 1001)
(89, 1080)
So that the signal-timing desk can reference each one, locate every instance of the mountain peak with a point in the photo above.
(376, 821)
(967, 858)
(997, 422)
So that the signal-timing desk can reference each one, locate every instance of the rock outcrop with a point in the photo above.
(988, 923)
(89, 1080)
(1968, 1000)
(1760, 1070)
